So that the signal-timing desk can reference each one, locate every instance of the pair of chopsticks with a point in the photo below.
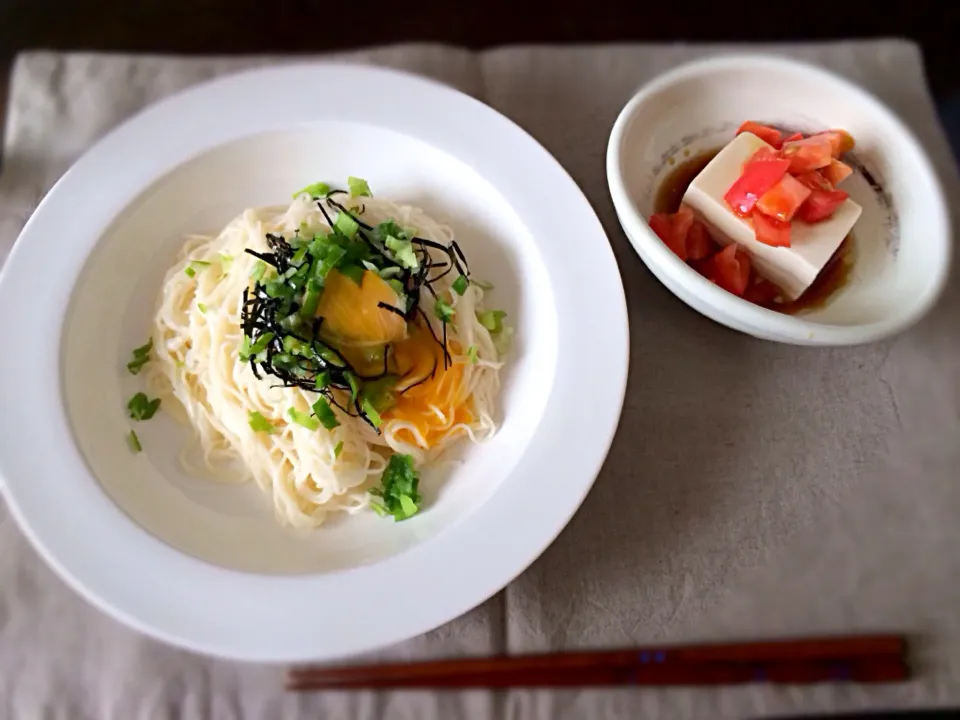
(861, 659)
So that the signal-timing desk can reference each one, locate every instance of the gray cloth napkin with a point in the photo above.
(753, 489)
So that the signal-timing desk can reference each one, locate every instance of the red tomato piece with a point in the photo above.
(784, 199)
(821, 205)
(673, 229)
(836, 172)
(760, 174)
(789, 138)
(730, 269)
(771, 231)
(764, 153)
(699, 243)
(682, 221)
(762, 292)
(811, 153)
(769, 135)
(814, 180)
(840, 141)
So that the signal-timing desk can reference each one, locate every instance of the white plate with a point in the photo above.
(213, 572)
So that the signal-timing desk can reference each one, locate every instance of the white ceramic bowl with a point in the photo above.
(902, 240)
(205, 566)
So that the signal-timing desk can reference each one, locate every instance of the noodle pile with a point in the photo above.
(197, 336)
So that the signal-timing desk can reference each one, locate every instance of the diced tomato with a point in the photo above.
(811, 153)
(761, 291)
(771, 231)
(730, 269)
(784, 199)
(836, 172)
(821, 205)
(699, 243)
(840, 141)
(673, 229)
(790, 138)
(814, 180)
(759, 175)
(769, 135)
(764, 153)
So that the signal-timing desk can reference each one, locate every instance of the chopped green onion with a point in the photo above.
(408, 506)
(389, 272)
(370, 266)
(294, 346)
(201, 307)
(141, 407)
(398, 489)
(389, 227)
(195, 266)
(334, 255)
(324, 413)
(322, 380)
(443, 310)
(284, 360)
(354, 272)
(258, 423)
(311, 299)
(472, 354)
(248, 350)
(328, 355)
(290, 322)
(299, 255)
(303, 419)
(346, 224)
(277, 289)
(397, 287)
(482, 284)
(318, 189)
(402, 251)
(379, 393)
(133, 442)
(492, 320)
(358, 187)
(141, 356)
(460, 285)
(371, 412)
(318, 246)
(338, 449)
(354, 385)
(259, 268)
(226, 261)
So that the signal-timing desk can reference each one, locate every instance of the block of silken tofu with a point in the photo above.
(812, 245)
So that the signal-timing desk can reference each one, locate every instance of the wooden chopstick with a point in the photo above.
(858, 659)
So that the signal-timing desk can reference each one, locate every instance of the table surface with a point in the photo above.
(785, 517)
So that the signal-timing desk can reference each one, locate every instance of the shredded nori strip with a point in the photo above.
(273, 306)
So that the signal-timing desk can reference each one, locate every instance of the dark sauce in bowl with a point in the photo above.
(834, 275)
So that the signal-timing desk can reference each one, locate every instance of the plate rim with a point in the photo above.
(30, 477)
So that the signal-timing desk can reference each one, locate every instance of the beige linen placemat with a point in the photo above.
(753, 488)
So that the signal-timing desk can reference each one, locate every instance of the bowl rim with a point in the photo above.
(740, 314)
(146, 584)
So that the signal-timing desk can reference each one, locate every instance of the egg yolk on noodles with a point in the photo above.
(427, 395)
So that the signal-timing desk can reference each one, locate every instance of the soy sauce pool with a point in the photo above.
(834, 275)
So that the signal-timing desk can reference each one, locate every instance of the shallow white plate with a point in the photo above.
(205, 566)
